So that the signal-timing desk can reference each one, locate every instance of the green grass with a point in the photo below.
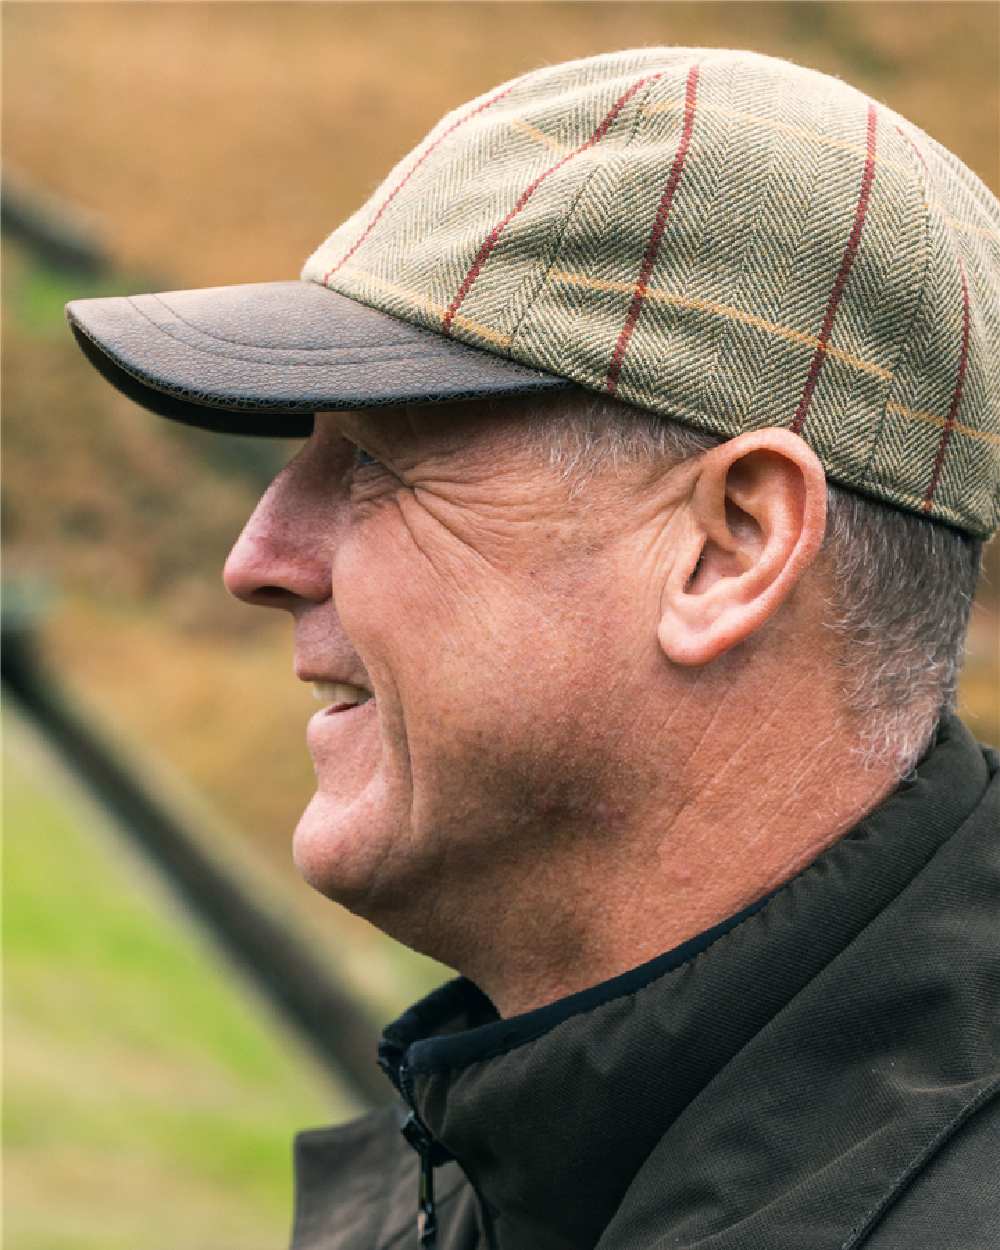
(35, 292)
(149, 1100)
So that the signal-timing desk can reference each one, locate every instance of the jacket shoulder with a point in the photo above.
(951, 1199)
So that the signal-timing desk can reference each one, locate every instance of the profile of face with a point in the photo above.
(432, 558)
(510, 631)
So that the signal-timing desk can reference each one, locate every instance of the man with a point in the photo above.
(630, 551)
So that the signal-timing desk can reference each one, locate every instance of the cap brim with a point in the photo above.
(261, 358)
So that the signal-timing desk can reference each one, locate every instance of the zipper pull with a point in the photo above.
(418, 1138)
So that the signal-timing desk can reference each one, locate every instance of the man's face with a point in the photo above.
(503, 629)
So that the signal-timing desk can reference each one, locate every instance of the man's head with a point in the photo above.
(539, 654)
(578, 624)
(634, 659)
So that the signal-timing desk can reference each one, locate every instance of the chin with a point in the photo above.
(342, 851)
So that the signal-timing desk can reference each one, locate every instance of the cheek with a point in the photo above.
(404, 586)
(381, 593)
(481, 672)
(497, 768)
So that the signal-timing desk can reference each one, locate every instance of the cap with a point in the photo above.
(722, 237)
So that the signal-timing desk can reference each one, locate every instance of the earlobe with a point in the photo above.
(756, 519)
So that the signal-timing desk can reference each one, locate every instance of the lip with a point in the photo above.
(342, 712)
(342, 709)
(334, 730)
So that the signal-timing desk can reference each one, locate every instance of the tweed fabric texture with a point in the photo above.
(721, 237)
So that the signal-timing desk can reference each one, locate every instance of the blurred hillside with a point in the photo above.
(219, 143)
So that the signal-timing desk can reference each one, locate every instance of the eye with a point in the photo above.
(362, 458)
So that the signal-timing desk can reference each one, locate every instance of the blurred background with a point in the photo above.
(155, 1065)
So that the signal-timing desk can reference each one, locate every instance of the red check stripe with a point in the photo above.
(956, 398)
(659, 226)
(409, 174)
(819, 357)
(493, 237)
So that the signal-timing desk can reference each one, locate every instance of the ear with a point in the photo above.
(755, 519)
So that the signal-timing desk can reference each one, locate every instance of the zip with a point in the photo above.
(417, 1136)
(431, 1154)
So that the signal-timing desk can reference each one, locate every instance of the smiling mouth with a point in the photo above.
(338, 696)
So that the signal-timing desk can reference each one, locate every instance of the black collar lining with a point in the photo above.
(487, 1041)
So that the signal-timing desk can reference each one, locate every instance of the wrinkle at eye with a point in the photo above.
(408, 501)
(447, 569)
(419, 494)
(372, 484)
(453, 570)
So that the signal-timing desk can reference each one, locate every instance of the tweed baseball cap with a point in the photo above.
(725, 238)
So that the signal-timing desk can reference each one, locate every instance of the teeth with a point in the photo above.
(333, 692)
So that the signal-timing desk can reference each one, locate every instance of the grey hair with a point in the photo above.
(901, 590)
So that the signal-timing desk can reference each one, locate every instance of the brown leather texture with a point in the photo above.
(262, 357)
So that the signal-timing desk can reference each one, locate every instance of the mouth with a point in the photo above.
(343, 737)
(338, 696)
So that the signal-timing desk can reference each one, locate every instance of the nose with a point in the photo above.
(281, 558)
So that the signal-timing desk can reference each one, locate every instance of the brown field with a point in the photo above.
(219, 143)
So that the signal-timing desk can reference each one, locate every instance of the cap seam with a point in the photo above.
(219, 338)
(571, 215)
(867, 478)
(737, 287)
(367, 359)
(183, 393)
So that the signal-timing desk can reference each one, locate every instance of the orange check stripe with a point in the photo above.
(967, 226)
(539, 136)
(428, 305)
(722, 310)
(932, 418)
(489, 335)
(772, 123)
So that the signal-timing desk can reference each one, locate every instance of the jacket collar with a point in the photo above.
(552, 1114)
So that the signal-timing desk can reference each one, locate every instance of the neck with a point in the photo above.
(705, 831)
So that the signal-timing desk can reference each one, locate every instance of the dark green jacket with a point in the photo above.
(819, 1072)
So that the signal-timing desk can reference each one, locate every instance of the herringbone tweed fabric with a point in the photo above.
(722, 237)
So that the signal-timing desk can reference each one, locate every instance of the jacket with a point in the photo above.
(818, 1072)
